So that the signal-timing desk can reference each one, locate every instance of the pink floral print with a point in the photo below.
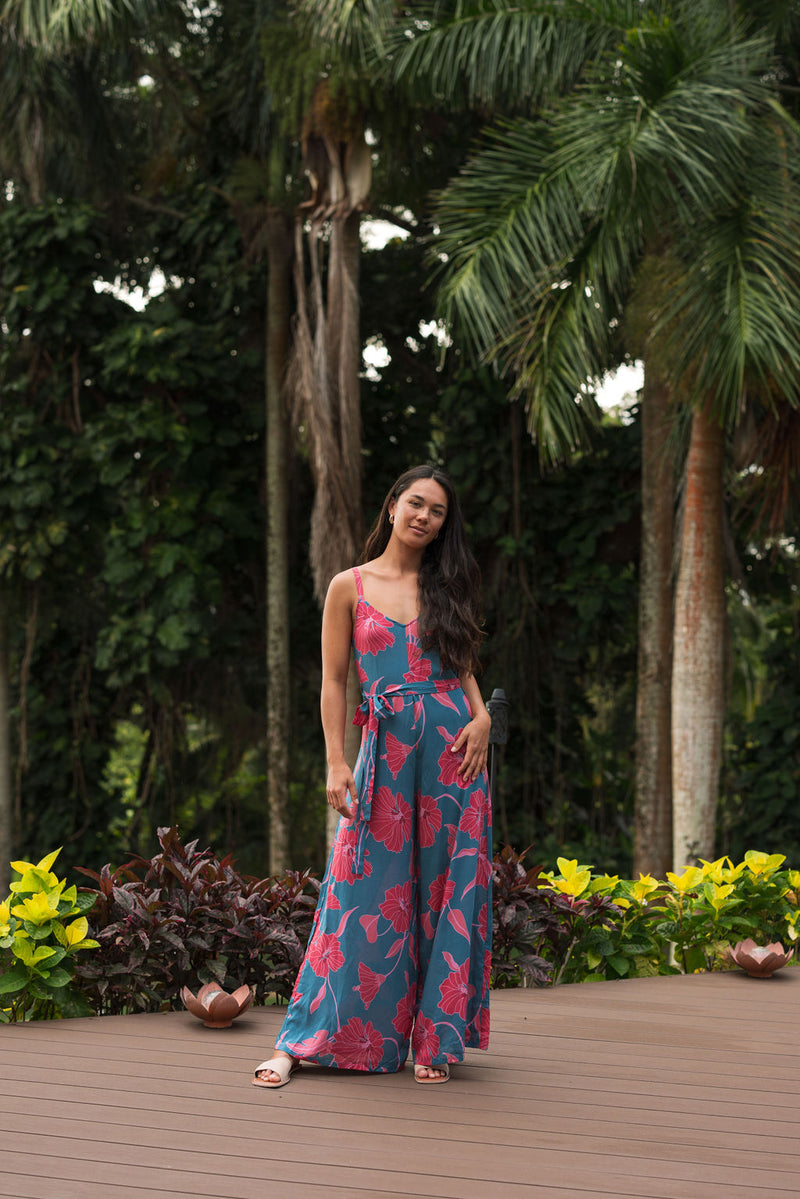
(369, 983)
(391, 819)
(456, 990)
(396, 754)
(343, 857)
(357, 1046)
(324, 954)
(419, 667)
(473, 817)
(440, 892)
(429, 820)
(449, 762)
(373, 633)
(396, 907)
(424, 1041)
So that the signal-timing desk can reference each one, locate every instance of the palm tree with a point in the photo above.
(673, 147)
(549, 233)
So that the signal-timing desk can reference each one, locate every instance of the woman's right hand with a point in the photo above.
(340, 787)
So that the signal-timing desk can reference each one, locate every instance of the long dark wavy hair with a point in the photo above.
(449, 579)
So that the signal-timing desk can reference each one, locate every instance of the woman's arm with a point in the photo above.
(337, 632)
(473, 740)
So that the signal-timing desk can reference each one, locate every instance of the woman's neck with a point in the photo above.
(398, 559)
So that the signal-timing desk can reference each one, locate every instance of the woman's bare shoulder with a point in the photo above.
(342, 588)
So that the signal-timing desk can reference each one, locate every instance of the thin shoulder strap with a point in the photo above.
(359, 584)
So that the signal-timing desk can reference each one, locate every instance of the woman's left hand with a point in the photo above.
(473, 742)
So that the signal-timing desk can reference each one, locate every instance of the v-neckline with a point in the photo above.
(362, 599)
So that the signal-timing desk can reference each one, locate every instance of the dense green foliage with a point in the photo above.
(131, 511)
(762, 767)
(132, 564)
(131, 459)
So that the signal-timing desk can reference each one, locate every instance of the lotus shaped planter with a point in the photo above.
(215, 1007)
(760, 961)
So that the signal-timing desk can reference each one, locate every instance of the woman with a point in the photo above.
(401, 943)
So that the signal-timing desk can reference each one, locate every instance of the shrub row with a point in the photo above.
(576, 926)
(186, 917)
(183, 917)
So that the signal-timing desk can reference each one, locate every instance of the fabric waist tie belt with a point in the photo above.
(370, 712)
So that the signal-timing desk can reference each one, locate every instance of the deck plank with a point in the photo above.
(665, 1088)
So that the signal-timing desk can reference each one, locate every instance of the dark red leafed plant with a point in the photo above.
(523, 921)
(185, 918)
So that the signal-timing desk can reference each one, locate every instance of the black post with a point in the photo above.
(497, 707)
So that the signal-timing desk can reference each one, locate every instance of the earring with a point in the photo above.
(391, 519)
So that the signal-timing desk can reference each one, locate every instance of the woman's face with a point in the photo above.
(419, 512)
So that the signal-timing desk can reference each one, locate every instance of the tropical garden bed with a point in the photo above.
(133, 938)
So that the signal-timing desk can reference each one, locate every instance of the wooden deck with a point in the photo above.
(663, 1087)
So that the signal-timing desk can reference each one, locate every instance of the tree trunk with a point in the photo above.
(344, 340)
(6, 795)
(279, 255)
(325, 380)
(326, 361)
(652, 852)
(698, 691)
(326, 388)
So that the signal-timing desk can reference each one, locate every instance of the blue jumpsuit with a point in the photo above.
(401, 947)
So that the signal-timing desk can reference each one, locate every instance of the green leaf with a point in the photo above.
(175, 633)
(38, 932)
(14, 979)
(619, 964)
(58, 978)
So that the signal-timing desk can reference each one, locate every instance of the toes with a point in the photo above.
(429, 1072)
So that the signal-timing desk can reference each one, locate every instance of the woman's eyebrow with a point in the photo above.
(421, 498)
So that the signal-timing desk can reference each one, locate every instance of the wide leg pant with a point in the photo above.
(402, 954)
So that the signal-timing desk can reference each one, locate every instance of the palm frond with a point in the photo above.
(557, 355)
(669, 119)
(779, 18)
(59, 132)
(503, 222)
(733, 309)
(768, 498)
(56, 24)
(530, 280)
(502, 54)
(357, 28)
(542, 232)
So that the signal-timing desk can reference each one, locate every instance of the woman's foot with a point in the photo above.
(431, 1074)
(276, 1072)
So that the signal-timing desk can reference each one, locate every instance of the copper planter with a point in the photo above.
(215, 1007)
(759, 961)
